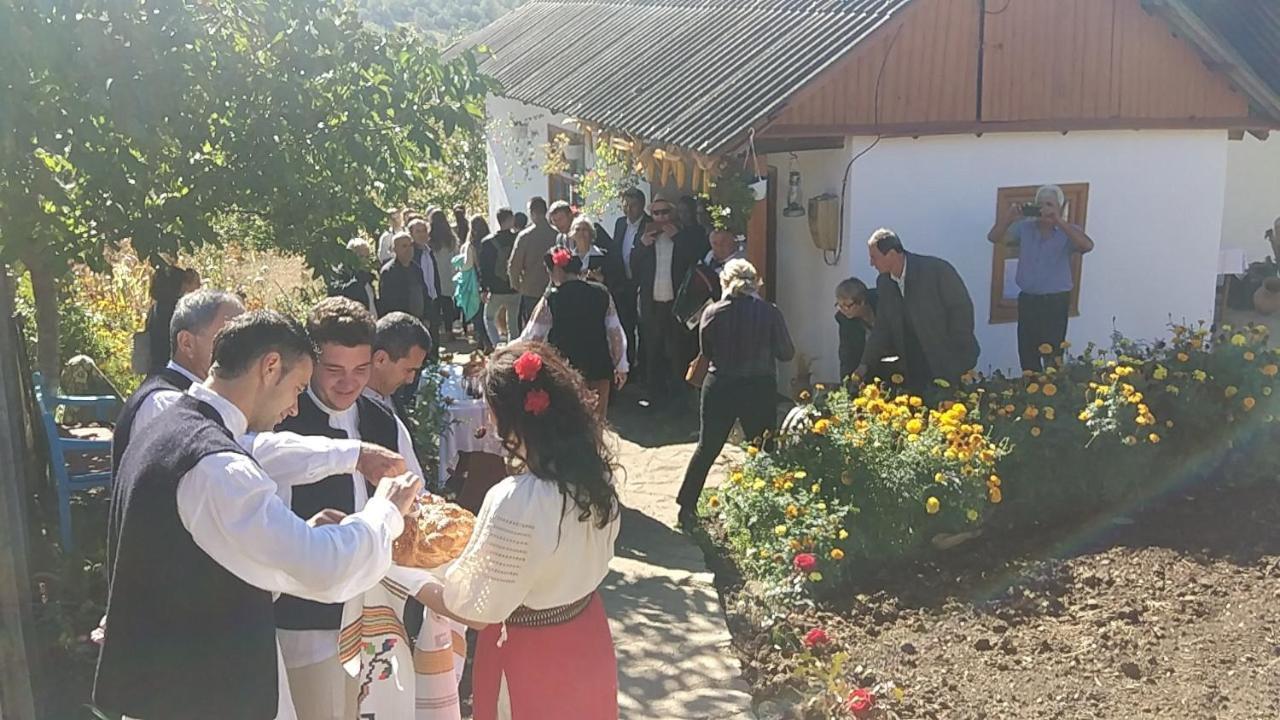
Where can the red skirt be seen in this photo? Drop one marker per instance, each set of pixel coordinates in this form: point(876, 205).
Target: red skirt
point(553, 673)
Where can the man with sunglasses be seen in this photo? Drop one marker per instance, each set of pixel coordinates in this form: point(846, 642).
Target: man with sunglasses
point(659, 263)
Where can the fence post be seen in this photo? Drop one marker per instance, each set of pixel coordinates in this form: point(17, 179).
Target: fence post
point(17, 654)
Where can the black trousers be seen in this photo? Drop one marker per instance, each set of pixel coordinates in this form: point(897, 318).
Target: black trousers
point(752, 400)
point(1042, 320)
point(431, 318)
point(625, 300)
point(667, 346)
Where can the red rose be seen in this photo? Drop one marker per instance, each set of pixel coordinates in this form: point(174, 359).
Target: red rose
point(860, 701)
point(560, 258)
point(805, 562)
point(536, 402)
point(816, 637)
point(528, 366)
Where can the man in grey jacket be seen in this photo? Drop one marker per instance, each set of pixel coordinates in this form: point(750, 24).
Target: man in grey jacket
point(525, 268)
point(924, 318)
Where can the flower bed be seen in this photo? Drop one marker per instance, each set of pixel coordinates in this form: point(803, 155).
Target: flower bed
point(861, 480)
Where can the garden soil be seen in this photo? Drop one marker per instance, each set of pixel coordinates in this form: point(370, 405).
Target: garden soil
point(1173, 612)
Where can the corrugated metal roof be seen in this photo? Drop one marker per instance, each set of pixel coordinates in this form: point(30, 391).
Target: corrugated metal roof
point(1242, 36)
point(1252, 27)
point(692, 73)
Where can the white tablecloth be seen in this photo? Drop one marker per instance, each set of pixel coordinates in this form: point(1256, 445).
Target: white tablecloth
point(466, 415)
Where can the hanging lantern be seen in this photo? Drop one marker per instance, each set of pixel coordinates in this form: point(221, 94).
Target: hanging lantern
point(795, 199)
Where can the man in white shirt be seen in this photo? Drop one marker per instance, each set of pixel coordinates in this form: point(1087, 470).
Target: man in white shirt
point(386, 248)
point(335, 406)
point(400, 348)
point(199, 541)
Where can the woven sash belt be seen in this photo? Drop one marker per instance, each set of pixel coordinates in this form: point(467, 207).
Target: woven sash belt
point(528, 617)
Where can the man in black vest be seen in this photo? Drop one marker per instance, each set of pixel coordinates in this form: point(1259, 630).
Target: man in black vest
point(400, 347)
point(198, 541)
point(288, 458)
point(334, 406)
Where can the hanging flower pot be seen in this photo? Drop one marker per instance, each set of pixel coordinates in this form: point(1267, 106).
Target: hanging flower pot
point(759, 188)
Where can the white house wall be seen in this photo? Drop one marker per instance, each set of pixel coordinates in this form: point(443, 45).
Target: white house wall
point(1252, 196)
point(1155, 211)
point(513, 180)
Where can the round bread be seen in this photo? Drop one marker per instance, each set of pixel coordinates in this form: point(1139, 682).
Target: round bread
point(434, 534)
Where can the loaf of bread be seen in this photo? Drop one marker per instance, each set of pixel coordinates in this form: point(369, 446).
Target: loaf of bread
point(434, 533)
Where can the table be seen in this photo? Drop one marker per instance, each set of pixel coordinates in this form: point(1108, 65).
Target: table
point(467, 415)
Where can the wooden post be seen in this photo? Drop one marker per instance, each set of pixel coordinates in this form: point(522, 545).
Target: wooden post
point(17, 655)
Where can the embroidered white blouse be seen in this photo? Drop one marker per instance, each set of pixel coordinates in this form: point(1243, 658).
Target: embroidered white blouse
point(528, 548)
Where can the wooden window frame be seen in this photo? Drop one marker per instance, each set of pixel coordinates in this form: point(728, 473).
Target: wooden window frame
point(559, 182)
point(1005, 310)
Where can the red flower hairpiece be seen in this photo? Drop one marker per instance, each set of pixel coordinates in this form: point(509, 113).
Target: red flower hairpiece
point(536, 401)
point(560, 258)
point(528, 366)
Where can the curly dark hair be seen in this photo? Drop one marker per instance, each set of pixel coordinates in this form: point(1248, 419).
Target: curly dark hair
point(565, 444)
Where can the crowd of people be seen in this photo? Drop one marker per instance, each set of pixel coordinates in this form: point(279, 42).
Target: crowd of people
point(264, 467)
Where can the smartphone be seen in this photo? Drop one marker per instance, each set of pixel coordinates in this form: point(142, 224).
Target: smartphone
point(1031, 210)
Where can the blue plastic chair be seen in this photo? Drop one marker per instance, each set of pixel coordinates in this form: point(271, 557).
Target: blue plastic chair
point(60, 448)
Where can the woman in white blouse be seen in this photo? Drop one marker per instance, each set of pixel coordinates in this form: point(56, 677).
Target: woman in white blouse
point(541, 546)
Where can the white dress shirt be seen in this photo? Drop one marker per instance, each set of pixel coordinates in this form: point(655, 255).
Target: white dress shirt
point(288, 458)
point(427, 260)
point(527, 549)
point(230, 507)
point(902, 279)
point(628, 243)
point(664, 249)
point(386, 248)
point(308, 647)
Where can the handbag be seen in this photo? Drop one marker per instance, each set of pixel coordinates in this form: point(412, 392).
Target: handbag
point(697, 371)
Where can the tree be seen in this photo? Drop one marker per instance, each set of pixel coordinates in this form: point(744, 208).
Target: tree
point(147, 122)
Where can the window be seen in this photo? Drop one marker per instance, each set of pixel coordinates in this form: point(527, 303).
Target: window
point(564, 184)
point(1004, 257)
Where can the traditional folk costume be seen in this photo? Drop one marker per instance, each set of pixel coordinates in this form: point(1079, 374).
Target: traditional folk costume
point(578, 318)
point(356, 655)
point(198, 541)
point(531, 569)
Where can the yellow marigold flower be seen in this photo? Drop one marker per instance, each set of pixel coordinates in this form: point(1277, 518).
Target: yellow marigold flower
point(897, 379)
point(780, 530)
point(1199, 376)
point(821, 427)
point(1183, 357)
point(736, 477)
point(837, 554)
point(1049, 413)
point(764, 553)
point(939, 478)
point(843, 534)
point(800, 474)
point(1238, 340)
point(752, 450)
point(1141, 419)
point(1160, 373)
point(757, 485)
point(788, 485)
point(1098, 402)
point(950, 454)
point(815, 577)
point(713, 501)
point(994, 481)
point(1083, 416)
point(915, 401)
point(1231, 391)
point(1248, 403)
point(915, 426)
point(988, 456)
point(1136, 398)
point(1154, 439)
point(1046, 349)
point(1050, 389)
point(972, 515)
point(1035, 432)
point(794, 545)
point(994, 494)
point(1270, 370)
point(1031, 413)
point(932, 506)
point(1249, 356)
point(1033, 388)
point(793, 512)
point(822, 507)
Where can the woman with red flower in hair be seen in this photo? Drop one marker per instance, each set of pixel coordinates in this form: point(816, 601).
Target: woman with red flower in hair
point(541, 546)
point(578, 318)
